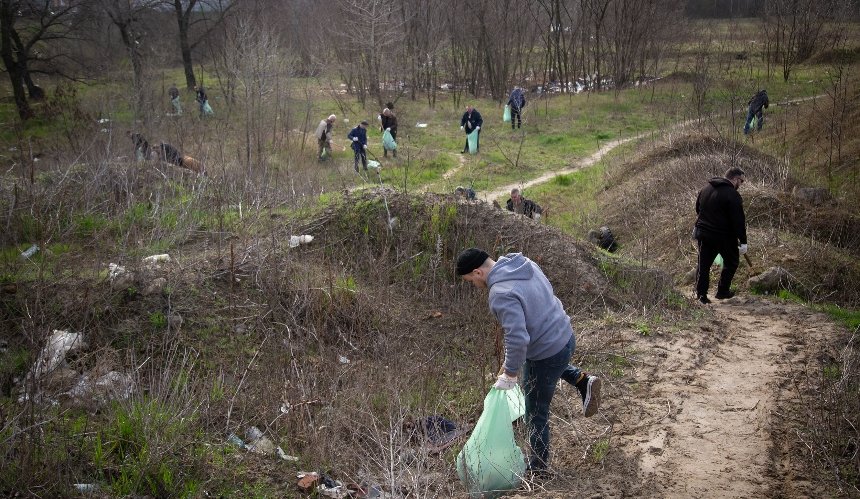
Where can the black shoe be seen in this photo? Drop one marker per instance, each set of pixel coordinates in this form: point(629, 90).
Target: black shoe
point(724, 296)
point(463, 151)
point(589, 389)
point(704, 299)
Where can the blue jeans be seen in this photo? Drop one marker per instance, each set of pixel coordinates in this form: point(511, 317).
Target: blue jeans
point(540, 378)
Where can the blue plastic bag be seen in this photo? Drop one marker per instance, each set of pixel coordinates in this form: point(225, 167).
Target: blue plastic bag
point(490, 462)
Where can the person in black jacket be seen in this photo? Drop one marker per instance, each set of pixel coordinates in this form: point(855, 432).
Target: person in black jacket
point(518, 204)
point(720, 229)
point(470, 121)
point(758, 102)
point(517, 101)
point(388, 121)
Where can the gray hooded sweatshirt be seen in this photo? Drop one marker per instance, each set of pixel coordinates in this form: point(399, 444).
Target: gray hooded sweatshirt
point(521, 298)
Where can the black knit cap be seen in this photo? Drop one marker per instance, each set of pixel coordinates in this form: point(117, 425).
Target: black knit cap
point(470, 259)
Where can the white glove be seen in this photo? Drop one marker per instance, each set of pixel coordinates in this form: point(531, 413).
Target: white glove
point(364, 146)
point(742, 249)
point(355, 139)
point(388, 129)
point(505, 382)
point(461, 127)
point(477, 128)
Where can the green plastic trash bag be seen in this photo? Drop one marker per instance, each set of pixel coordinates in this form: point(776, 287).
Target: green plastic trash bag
point(472, 139)
point(491, 463)
point(388, 142)
point(754, 123)
point(207, 109)
point(507, 116)
point(718, 261)
point(324, 154)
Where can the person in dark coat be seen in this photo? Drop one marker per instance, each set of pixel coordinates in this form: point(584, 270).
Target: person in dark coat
point(171, 155)
point(389, 122)
point(758, 102)
point(173, 93)
point(518, 204)
point(141, 146)
point(358, 136)
point(720, 230)
point(470, 121)
point(517, 101)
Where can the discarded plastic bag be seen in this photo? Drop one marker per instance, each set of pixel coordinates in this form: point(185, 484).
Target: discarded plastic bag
point(718, 261)
point(388, 142)
point(506, 117)
point(491, 463)
point(472, 138)
point(754, 123)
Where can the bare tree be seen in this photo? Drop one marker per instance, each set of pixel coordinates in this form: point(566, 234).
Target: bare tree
point(45, 23)
point(186, 19)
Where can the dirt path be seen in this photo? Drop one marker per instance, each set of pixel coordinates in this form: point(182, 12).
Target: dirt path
point(707, 422)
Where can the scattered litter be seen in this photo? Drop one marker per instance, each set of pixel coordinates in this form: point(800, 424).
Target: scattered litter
point(32, 250)
point(283, 455)
point(374, 164)
point(421, 125)
point(87, 488)
point(13, 149)
point(113, 385)
point(303, 239)
point(308, 480)
point(257, 442)
point(343, 360)
point(104, 130)
point(103, 120)
point(236, 440)
point(115, 271)
point(54, 354)
point(441, 433)
point(330, 487)
point(162, 258)
point(364, 491)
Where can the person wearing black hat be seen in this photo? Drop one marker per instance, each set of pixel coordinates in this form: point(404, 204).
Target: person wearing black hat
point(358, 136)
point(539, 339)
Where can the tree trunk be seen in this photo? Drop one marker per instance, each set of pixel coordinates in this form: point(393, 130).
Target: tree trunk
point(13, 68)
point(183, 18)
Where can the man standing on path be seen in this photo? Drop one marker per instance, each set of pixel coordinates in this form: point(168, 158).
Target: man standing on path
point(323, 135)
point(358, 136)
point(471, 121)
point(758, 102)
point(517, 101)
point(539, 339)
point(720, 229)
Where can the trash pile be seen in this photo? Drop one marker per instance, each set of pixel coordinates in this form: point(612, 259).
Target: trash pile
point(325, 486)
point(258, 443)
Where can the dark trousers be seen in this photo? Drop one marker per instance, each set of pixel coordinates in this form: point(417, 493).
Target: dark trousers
point(516, 116)
point(540, 378)
point(362, 155)
point(709, 248)
point(759, 119)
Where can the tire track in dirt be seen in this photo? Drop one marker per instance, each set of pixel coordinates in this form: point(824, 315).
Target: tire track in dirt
point(713, 404)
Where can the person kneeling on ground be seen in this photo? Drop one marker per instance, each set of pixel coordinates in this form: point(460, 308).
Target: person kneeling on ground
point(518, 204)
point(539, 340)
point(466, 193)
point(169, 154)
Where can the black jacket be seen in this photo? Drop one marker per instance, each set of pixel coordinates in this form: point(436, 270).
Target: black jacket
point(720, 211)
point(473, 119)
point(389, 121)
point(529, 207)
point(758, 101)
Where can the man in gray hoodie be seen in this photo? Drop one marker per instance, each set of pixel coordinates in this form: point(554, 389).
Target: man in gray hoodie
point(539, 339)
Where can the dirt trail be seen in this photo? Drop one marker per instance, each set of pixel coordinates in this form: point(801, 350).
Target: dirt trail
point(710, 417)
point(594, 158)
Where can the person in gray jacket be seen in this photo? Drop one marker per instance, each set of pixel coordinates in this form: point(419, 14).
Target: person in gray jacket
point(539, 339)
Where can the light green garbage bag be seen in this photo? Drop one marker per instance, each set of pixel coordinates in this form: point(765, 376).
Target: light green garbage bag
point(507, 116)
point(718, 261)
point(491, 463)
point(754, 123)
point(472, 139)
point(388, 141)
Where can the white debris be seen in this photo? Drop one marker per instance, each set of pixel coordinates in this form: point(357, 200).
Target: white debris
point(303, 239)
point(54, 354)
point(162, 258)
point(111, 386)
point(421, 125)
point(115, 271)
point(32, 250)
point(343, 360)
point(283, 455)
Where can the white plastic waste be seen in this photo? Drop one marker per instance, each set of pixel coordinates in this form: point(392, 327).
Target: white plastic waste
point(421, 125)
point(303, 239)
point(162, 258)
point(115, 271)
point(374, 164)
point(54, 354)
point(32, 250)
